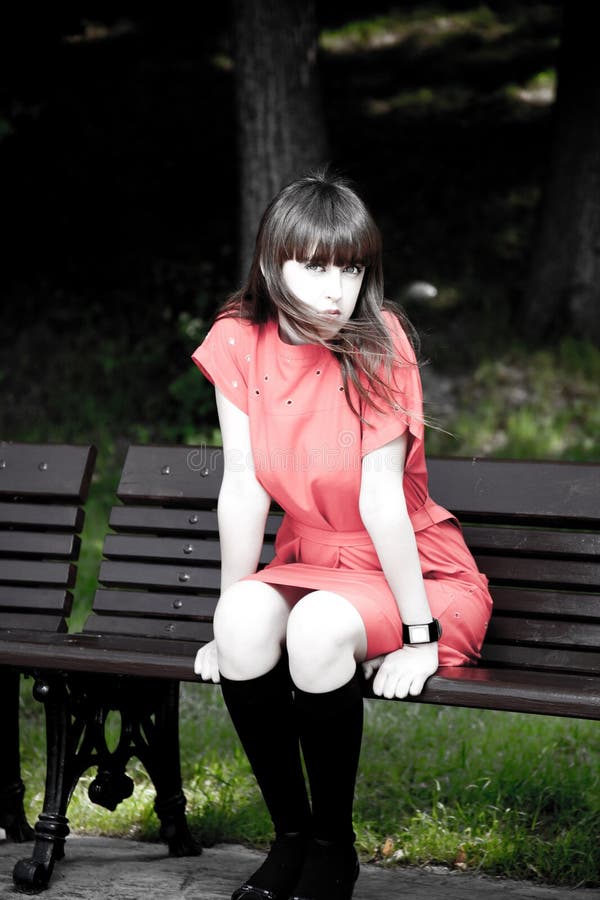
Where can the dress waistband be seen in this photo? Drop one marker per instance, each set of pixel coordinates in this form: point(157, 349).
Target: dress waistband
point(430, 513)
point(331, 538)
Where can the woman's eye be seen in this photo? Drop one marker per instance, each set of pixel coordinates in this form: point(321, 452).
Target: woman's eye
point(314, 267)
point(353, 270)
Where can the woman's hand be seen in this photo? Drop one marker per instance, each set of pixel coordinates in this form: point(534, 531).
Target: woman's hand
point(206, 664)
point(404, 671)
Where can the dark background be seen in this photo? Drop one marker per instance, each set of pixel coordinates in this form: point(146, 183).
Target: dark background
point(118, 179)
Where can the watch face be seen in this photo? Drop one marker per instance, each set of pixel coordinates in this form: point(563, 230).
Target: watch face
point(419, 634)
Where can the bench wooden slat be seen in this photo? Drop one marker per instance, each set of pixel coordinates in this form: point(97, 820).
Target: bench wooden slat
point(115, 643)
point(197, 606)
point(41, 515)
point(562, 491)
point(141, 657)
point(515, 690)
point(166, 549)
point(550, 632)
point(527, 570)
point(114, 654)
point(142, 519)
point(161, 520)
point(188, 474)
point(17, 571)
point(546, 603)
point(168, 629)
point(29, 622)
point(46, 470)
point(43, 544)
point(35, 599)
point(544, 542)
point(189, 550)
point(528, 657)
point(184, 578)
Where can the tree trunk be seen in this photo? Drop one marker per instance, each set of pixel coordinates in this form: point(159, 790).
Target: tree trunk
point(279, 122)
point(564, 288)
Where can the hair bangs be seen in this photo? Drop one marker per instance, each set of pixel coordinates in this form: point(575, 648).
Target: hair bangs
point(335, 232)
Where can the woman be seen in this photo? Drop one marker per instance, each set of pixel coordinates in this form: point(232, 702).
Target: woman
point(320, 408)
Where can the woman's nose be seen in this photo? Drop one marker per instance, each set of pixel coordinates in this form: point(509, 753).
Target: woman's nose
point(333, 288)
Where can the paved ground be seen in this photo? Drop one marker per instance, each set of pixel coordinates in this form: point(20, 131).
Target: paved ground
point(118, 869)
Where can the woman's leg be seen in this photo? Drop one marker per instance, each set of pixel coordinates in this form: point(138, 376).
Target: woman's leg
point(250, 625)
point(250, 629)
point(326, 639)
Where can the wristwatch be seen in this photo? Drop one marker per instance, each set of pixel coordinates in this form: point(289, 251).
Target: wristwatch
point(421, 634)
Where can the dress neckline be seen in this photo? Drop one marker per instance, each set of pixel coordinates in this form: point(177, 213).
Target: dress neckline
point(294, 352)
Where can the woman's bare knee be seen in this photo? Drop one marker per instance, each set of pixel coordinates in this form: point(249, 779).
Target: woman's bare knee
point(249, 625)
point(325, 639)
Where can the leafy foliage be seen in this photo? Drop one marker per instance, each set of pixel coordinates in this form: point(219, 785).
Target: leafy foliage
point(540, 404)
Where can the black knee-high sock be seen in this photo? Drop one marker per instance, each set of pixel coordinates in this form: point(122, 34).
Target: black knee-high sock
point(262, 711)
point(330, 734)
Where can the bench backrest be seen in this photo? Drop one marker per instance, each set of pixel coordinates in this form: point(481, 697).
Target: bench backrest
point(41, 489)
point(533, 528)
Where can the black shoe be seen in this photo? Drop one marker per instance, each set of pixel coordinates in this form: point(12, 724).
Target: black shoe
point(247, 892)
point(330, 872)
point(275, 879)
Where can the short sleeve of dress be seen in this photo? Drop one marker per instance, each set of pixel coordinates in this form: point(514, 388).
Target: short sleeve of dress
point(222, 358)
point(390, 421)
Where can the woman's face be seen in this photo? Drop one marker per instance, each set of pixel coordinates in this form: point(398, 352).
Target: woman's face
point(330, 291)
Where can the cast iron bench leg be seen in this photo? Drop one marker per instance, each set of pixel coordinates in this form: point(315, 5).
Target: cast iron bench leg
point(33, 875)
point(77, 711)
point(12, 789)
point(149, 730)
point(163, 766)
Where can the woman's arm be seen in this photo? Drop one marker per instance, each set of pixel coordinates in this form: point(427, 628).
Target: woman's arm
point(242, 510)
point(385, 516)
point(243, 502)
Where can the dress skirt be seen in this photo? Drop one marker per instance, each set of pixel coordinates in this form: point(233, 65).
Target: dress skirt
point(347, 564)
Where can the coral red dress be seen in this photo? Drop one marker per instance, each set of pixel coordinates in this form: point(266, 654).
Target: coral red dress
point(308, 447)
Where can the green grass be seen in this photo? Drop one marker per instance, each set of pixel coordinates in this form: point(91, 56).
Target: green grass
point(101, 498)
point(501, 793)
point(527, 404)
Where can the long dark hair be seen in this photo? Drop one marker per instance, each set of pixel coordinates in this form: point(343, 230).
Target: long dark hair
point(320, 218)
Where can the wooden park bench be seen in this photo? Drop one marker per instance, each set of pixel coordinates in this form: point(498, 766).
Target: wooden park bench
point(41, 489)
point(533, 527)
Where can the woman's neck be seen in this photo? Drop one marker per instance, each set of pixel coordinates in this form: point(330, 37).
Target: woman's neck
point(287, 334)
